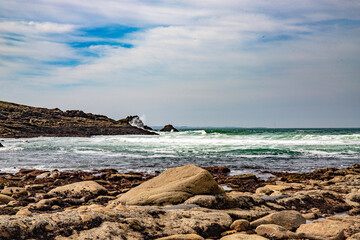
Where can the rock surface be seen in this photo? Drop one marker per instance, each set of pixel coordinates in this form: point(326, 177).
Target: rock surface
point(24, 121)
point(173, 186)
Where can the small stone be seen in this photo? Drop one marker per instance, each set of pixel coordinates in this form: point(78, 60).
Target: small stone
point(24, 211)
point(242, 236)
point(14, 190)
point(275, 231)
point(182, 237)
point(5, 199)
point(310, 216)
point(291, 220)
point(240, 225)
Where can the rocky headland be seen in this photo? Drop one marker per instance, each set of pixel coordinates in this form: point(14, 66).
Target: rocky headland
point(24, 121)
point(180, 203)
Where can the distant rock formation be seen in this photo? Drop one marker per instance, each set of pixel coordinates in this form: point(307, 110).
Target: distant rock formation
point(24, 121)
point(169, 128)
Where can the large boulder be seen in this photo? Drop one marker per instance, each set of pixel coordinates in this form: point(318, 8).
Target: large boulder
point(290, 220)
point(173, 186)
point(79, 189)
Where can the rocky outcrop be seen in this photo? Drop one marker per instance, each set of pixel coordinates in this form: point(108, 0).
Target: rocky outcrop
point(24, 121)
point(173, 186)
point(169, 128)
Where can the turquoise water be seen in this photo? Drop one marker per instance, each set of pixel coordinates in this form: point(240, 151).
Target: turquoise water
point(242, 150)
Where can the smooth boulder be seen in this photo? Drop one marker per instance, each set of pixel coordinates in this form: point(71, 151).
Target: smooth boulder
point(173, 186)
point(79, 189)
point(290, 220)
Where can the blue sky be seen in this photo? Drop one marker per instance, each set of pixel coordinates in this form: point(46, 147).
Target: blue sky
point(196, 63)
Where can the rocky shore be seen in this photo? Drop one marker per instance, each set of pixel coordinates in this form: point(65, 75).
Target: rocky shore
point(181, 203)
point(20, 121)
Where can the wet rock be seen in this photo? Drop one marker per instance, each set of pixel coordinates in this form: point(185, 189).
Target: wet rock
point(326, 201)
point(242, 236)
point(79, 190)
point(275, 231)
point(173, 186)
point(218, 170)
point(291, 220)
point(1, 145)
point(169, 128)
point(5, 199)
point(182, 237)
point(322, 230)
point(240, 225)
point(244, 182)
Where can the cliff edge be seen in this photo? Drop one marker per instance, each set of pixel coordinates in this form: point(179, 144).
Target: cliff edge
point(24, 121)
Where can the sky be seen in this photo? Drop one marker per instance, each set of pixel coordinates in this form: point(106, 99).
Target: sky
point(233, 63)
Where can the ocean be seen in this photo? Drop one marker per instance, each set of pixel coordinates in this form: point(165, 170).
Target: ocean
point(242, 150)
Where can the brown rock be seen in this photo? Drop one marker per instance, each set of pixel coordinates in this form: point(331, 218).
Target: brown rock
point(79, 190)
point(182, 237)
point(242, 236)
point(322, 230)
point(240, 225)
point(14, 190)
point(5, 199)
point(275, 231)
point(173, 186)
point(291, 220)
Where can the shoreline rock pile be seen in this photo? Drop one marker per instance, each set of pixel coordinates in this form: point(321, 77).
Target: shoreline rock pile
point(180, 203)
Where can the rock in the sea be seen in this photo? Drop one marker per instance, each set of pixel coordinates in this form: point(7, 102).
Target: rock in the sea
point(1, 145)
point(290, 220)
point(173, 186)
point(242, 236)
point(322, 230)
point(79, 190)
point(169, 128)
point(275, 231)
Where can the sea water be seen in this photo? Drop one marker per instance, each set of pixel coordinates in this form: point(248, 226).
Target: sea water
point(242, 150)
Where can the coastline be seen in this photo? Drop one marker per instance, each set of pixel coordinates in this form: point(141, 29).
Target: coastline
point(320, 194)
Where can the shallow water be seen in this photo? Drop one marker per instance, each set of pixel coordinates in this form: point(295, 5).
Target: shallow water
point(242, 150)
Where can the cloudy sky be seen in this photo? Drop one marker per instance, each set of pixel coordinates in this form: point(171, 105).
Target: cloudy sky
point(239, 63)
